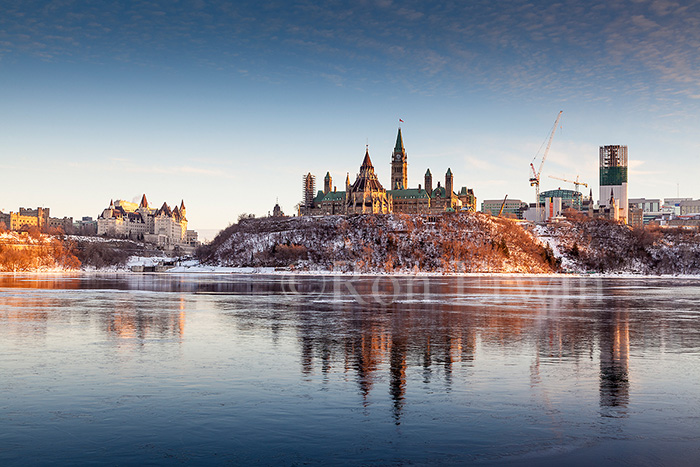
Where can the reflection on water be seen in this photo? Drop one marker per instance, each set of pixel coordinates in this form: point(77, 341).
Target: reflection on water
point(270, 369)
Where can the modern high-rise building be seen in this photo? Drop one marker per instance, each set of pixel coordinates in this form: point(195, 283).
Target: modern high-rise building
point(613, 180)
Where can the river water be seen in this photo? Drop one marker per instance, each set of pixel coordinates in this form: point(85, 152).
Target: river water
point(290, 370)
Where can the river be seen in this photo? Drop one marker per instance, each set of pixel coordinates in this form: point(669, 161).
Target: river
point(289, 370)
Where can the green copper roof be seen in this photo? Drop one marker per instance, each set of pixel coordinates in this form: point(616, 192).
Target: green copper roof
point(334, 196)
point(408, 193)
point(449, 171)
point(328, 176)
point(319, 197)
point(427, 172)
point(439, 192)
point(399, 142)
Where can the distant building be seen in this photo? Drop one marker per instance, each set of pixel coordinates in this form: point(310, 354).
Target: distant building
point(277, 211)
point(646, 205)
point(85, 226)
point(39, 218)
point(650, 208)
point(164, 227)
point(613, 180)
point(367, 195)
point(65, 225)
point(689, 207)
point(513, 208)
point(673, 205)
point(569, 198)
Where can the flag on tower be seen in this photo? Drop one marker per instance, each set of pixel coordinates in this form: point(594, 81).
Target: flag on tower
point(400, 120)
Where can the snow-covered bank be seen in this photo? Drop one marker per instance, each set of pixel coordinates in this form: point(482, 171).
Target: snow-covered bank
point(600, 246)
point(453, 243)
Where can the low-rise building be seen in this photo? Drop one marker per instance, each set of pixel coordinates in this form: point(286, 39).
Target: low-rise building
point(512, 208)
point(691, 206)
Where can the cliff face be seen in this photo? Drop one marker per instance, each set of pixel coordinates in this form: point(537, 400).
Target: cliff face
point(382, 243)
point(597, 245)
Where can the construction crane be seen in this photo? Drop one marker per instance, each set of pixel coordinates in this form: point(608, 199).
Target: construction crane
point(503, 204)
point(535, 178)
point(575, 182)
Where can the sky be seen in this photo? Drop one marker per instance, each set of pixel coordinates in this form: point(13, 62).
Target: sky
point(226, 105)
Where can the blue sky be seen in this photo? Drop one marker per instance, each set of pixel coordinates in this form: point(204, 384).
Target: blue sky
point(227, 105)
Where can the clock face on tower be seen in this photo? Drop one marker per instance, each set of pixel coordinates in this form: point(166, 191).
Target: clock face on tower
point(397, 157)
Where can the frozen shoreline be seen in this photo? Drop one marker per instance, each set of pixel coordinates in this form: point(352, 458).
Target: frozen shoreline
point(269, 271)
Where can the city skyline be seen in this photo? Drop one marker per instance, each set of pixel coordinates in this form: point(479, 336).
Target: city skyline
point(227, 106)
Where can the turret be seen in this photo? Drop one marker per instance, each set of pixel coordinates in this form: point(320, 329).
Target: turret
point(327, 183)
point(183, 211)
point(144, 202)
point(428, 182)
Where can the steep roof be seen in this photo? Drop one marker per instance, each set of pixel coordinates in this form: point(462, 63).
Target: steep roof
point(439, 192)
point(319, 197)
point(366, 180)
point(144, 201)
point(427, 172)
point(164, 210)
point(449, 171)
point(399, 142)
point(366, 162)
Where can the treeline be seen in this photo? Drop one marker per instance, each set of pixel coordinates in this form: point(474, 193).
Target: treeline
point(35, 251)
point(459, 242)
point(599, 245)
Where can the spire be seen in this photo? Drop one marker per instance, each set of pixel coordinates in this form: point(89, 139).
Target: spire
point(367, 162)
point(328, 176)
point(144, 201)
point(427, 173)
point(182, 205)
point(449, 171)
point(399, 142)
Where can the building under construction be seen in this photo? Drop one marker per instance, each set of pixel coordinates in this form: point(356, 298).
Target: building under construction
point(613, 181)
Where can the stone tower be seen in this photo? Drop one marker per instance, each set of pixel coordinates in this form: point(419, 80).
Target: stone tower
point(428, 182)
point(448, 183)
point(399, 163)
point(327, 183)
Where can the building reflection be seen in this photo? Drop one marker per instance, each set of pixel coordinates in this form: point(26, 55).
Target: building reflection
point(614, 363)
point(450, 331)
point(132, 319)
point(380, 339)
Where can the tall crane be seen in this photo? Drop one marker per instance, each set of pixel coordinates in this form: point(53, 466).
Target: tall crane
point(575, 182)
point(503, 204)
point(535, 178)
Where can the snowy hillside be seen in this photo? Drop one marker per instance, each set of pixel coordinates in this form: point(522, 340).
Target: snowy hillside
point(598, 245)
point(381, 243)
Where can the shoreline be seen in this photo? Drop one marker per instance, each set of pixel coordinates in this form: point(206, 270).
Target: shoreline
point(259, 272)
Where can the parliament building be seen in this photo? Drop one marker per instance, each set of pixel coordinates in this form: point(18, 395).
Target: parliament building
point(367, 195)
